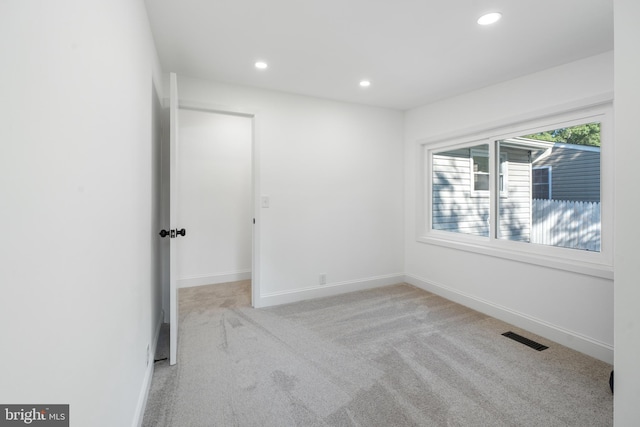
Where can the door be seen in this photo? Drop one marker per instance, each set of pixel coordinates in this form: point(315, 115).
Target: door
point(174, 209)
point(173, 220)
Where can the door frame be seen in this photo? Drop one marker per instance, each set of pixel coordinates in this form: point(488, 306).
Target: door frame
point(169, 297)
point(255, 180)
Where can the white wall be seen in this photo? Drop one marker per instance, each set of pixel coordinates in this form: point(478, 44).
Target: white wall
point(574, 309)
point(627, 282)
point(78, 199)
point(215, 205)
point(334, 175)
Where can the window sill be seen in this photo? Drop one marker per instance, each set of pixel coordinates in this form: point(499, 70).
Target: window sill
point(479, 245)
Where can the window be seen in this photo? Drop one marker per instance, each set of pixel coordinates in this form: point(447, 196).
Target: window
point(530, 191)
point(571, 219)
point(458, 175)
point(480, 173)
point(480, 167)
point(541, 182)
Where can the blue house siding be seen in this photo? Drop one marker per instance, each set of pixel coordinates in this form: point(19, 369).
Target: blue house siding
point(575, 172)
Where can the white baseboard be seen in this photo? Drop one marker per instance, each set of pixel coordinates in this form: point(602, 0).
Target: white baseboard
point(148, 376)
point(571, 339)
point(327, 290)
point(214, 278)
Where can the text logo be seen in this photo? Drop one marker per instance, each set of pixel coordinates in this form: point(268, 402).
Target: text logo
point(34, 415)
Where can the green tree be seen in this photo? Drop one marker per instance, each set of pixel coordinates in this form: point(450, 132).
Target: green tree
point(588, 134)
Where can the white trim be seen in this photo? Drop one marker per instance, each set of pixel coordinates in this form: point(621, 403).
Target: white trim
point(577, 147)
point(599, 264)
point(255, 177)
point(207, 107)
point(331, 289)
point(504, 160)
point(257, 225)
point(574, 340)
point(148, 376)
point(477, 152)
point(214, 278)
point(509, 250)
point(543, 115)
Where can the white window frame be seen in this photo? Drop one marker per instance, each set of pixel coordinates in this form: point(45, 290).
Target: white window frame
point(504, 160)
point(549, 177)
point(599, 264)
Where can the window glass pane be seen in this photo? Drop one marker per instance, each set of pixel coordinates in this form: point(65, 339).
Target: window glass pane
point(481, 182)
point(541, 183)
point(481, 163)
point(554, 188)
point(456, 174)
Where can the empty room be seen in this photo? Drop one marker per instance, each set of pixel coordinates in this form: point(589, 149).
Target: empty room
point(319, 213)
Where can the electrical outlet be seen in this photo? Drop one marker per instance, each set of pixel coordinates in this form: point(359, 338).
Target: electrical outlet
point(148, 355)
point(323, 279)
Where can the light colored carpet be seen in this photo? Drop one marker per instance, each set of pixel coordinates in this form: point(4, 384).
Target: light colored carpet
point(393, 356)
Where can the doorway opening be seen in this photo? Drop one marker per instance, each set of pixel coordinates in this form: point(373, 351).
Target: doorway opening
point(209, 192)
point(215, 198)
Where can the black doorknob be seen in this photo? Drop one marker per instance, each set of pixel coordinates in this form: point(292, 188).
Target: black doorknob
point(173, 233)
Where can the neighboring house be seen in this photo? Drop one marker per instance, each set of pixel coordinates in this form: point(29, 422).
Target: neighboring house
point(460, 190)
point(531, 172)
point(566, 192)
point(570, 172)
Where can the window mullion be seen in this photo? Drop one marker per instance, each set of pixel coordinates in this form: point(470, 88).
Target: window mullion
point(494, 191)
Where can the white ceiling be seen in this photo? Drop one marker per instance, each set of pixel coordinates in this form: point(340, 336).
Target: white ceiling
point(414, 52)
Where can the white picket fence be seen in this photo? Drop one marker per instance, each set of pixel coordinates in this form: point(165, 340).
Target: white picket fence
point(566, 223)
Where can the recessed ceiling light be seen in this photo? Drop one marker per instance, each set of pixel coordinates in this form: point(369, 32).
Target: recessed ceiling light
point(365, 83)
point(489, 18)
point(261, 65)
